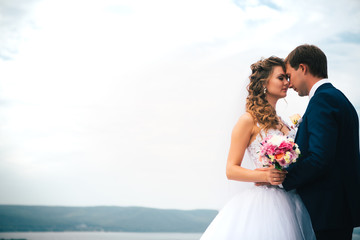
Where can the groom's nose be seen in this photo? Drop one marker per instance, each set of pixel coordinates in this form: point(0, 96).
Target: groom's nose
point(290, 84)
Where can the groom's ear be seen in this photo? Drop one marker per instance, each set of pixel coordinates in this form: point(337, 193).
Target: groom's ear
point(304, 68)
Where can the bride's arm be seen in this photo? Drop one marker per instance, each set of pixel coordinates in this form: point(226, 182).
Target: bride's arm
point(240, 139)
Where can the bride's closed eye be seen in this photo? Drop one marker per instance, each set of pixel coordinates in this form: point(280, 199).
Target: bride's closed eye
point(281, 77)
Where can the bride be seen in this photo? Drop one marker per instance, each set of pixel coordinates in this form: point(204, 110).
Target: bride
point(265, 211)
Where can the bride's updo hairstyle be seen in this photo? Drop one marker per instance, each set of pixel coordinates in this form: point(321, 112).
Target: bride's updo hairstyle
point(256, 103)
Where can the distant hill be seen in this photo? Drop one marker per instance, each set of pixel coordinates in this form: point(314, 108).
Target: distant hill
point(128, 219)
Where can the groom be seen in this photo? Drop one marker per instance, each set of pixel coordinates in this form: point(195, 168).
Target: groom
point(327, 175)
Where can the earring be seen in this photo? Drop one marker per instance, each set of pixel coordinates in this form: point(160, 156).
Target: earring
point(264, 90)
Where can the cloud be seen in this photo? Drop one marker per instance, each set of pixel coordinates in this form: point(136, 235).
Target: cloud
point(15, 20)
point(251, 3)
point(349, 37)
point(141, 96)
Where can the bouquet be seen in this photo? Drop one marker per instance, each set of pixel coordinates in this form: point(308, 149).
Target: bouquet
point(279, 151)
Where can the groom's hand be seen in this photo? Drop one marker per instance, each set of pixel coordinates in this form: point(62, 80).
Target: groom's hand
point(273, 176)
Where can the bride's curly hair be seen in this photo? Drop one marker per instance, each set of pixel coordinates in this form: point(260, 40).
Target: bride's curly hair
point(256, 103)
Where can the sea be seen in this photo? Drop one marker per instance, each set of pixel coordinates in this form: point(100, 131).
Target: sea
point(97, 236)
point(107, 236)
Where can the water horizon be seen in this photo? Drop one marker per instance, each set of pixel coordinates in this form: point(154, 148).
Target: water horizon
point(103, 235)
point(99, 235)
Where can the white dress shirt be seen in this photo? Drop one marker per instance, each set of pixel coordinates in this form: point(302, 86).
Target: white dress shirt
point(315, 86)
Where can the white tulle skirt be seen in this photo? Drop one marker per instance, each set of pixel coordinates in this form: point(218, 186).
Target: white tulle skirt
point(262, 213)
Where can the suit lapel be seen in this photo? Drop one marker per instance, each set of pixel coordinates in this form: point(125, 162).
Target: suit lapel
point(297, 133)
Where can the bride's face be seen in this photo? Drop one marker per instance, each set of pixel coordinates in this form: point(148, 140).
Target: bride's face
point(278, 84)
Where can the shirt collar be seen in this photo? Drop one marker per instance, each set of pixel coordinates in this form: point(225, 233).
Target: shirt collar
point(316, 86)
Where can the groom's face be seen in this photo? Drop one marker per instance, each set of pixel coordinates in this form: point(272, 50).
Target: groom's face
point(297, 80)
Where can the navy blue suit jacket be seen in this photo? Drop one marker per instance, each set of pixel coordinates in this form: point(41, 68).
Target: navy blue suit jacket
point(327, 174)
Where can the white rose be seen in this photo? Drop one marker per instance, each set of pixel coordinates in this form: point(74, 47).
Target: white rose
point(277, 140)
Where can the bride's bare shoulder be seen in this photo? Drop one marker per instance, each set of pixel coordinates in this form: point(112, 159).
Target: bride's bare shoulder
point(245, 122)
point(247, 118)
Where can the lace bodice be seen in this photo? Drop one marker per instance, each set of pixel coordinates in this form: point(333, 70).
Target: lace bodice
point(254, 148)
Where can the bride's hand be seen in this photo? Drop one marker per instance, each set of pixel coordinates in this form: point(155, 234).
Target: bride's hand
point(273, 176)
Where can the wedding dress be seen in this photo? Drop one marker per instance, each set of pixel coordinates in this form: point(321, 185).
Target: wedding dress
point(262, 212)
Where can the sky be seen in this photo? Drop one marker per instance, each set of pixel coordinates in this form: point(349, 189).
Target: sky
point(132, 102)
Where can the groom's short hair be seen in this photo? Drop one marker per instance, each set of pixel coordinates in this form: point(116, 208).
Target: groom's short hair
point(310, 55)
